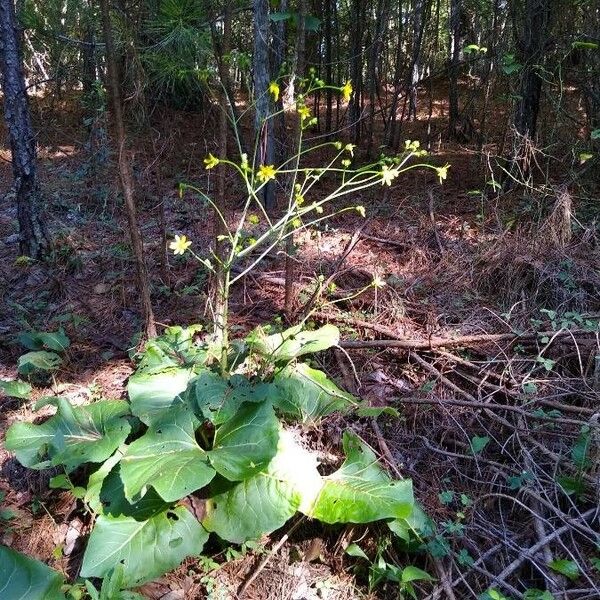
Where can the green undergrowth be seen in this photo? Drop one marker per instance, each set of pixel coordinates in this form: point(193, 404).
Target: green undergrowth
point(229, 439)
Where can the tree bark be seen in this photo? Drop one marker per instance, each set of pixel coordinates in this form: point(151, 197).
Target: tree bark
point(126, 175)
point(33, 238)
point(453, 68)
point(263, 122)
point(532, 43)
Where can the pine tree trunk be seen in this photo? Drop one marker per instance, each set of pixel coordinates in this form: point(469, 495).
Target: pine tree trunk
point(453, 67)
point(263, 124)
point(126, 175)
point(532, 43)
point(33, 238)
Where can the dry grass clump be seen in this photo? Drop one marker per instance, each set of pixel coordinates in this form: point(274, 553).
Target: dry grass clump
point(543, 265)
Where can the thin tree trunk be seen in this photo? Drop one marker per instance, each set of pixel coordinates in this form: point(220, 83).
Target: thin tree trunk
point(453, 67)
point(33, 238)
point(381, 21)
point(532, 43)
point(390, 132)
point(220, 294)
point(290, 274)
point(263, 122)
point(126, 176)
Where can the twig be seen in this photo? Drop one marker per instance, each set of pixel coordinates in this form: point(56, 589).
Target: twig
point(530, 552)
point(493, 407)
point(269, 556)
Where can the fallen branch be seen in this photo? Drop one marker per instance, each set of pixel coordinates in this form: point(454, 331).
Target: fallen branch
point(464, 340)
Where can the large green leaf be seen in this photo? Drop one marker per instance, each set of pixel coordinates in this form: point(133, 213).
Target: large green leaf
point(24, 578)
point(217, 399)
point(361, 491)
point(293, 342)
point(72, 437)
point(34, 362)
point(246, 443)
point(115, 504)
point(146, 549)
point(153, 394)
point(241, 511)
point(38, 340)
point(174, 348)
point(308, 394)
point(16, 388)
point(168, 458)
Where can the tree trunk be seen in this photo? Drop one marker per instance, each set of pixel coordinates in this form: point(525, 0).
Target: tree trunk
point(263, 122)
point(33, 238)
point(454, 50)
point(126, 175)
point(532, 43)
point(221, 283)
point(380, 25)
point(358, 13)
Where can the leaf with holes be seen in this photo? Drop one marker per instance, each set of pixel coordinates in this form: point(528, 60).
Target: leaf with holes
point(168, 458)
point(146, 549)
point(246, 443)
point(72, 437)
point(361, 491)
point(217, 399)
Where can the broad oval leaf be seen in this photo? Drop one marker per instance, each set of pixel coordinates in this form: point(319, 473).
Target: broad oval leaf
point(168, 458)
point(72, 437)
point(16, 388)
point(217, 399)
point(43, 361)
point(34, 340)
point(146, 549)
point(308, 394)
point(246, 443)
point(263, 503)
point(24, 578)
point(361, 491)
point(105, 494)
point(153, 394)
point(293, 342)
point(174, 348)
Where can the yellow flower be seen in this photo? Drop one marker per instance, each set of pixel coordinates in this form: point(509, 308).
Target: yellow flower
point(442, 172)
point(346, 163)
point(274, 90)
point(304, 112)
point(360, 210)
point(347, 91)
point(266, 173)
point(180, 245)
point(350, 148)
point(211, 161)
point(388, 175)
point(377, 282)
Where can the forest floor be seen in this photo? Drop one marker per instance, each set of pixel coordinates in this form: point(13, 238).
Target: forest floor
point(498, 430)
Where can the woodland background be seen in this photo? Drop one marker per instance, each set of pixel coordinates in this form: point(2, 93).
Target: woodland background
point(485, 336)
